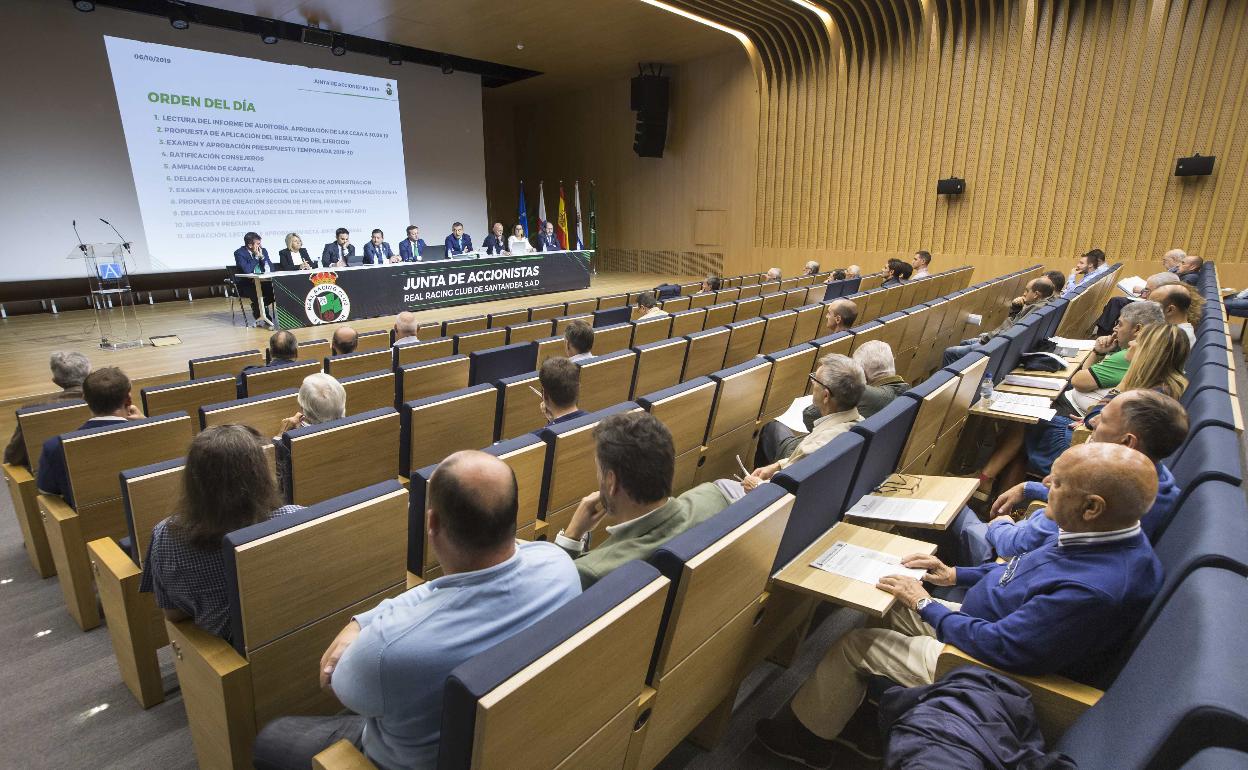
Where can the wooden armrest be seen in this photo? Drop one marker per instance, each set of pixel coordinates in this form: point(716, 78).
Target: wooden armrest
point(1034, 506)
point(1080, 435)
point(107, 555)
point(189, 639)
point(20, 474)
point(414, 580)
point(1059, 701)
point(343, 755)
point(56, 507)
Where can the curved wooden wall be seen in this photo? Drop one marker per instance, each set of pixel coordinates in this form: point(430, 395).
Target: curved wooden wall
point(1064, 116)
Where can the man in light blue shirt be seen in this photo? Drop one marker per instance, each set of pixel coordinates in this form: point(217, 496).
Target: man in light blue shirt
point(390, 664)
point(1090, 267)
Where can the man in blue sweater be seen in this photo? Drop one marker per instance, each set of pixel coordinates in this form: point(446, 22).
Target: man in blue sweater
point(1145, 420)
point(1064, 608)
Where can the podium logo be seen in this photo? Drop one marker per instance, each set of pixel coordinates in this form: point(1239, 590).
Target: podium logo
point(326, 303)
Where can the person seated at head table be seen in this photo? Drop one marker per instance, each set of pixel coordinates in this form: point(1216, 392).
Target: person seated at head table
point(711, 284)
point(340, 251)
point(840, 316)
point(561, 389)
point(389, 665)
point(107, 393)
point(496, 242)
point(1155, 356)
point(405, 328)
point(321, 399)
point(1039, 292)
point(897, 272)
point(458, 242)
point(69, 369)
point(253, 259)
point(1189, 269)
point(547, 240)
point(377, 251)
point(838, 386)
point(920, 262)
point(772, 274)
point(1066, 608)
point(227, 484)
point(294, 253)
point(344, 341)
point(1176, 302)
point(1088, 267)
point(635, 461)
point(1144, 420)
point(412, 248)
point(648, 307)
point(578, 341)
point(810, 268)
point(518, 243)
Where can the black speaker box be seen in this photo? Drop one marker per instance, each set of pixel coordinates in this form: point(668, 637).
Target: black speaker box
point(650, 99)
point(1197, 165)
point(950, 186)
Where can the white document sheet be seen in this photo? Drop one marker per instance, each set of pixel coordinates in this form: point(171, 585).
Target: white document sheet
point(898, 509)
point(1023, 410)
point(1130, 286)
point(862, 564)
point(792, 419)
point(1066, 342)
point(1043, 383)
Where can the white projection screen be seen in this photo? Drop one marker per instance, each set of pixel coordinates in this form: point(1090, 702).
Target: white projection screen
point(327, 147)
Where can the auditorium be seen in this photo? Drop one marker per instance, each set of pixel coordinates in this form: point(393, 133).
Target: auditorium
point(624, 384)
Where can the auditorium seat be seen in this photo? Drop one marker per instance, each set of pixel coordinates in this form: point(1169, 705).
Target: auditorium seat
point(790, 376)
point(335, 457)
point(187, 396)
point(704, 300)
point(613, 337)
point(424, 350)
point(226, 363)
point(564, 321)
point(1209, 454)
point(368, 391)
point(794, 298)
point(733, 425)
point(571, 463)
point(808, 324)
point(748, 306)
point(720, 315)
point(546, 312)
point(688, 322)
point(311, 350)
point(606, 379)
point(93, 458)
point(659, 364)
point(359, 362)
point(719, 571)
point(839, 343)
point(429, 378)
point(821, 483)
point(727, 294)
point(685, 410)
point(431, 428)
point(264, 413)
point(885, 433)
point(466, 325)
point(285, 609)
point(777, 331)
point(529, 330)
point(467, 342)
point(749, 292)
point(270, 379)
point(549, 347)
point(508, 317)
point(580, 307)
point(519, 408)
point(493, 364)
point(375, 340)
point(612, 301)
point(676, 304)
point(649, 330)
point(744, 340)
point(935, 395)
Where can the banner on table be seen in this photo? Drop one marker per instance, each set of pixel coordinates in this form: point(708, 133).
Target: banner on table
point(312, 298)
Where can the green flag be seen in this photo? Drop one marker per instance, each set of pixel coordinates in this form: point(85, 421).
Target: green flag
point(593, 218)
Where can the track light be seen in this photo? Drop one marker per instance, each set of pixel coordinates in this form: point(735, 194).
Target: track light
point(268, 32)
point(179, 16)
point(86, 6)
point(337, 48)
point(394, 56)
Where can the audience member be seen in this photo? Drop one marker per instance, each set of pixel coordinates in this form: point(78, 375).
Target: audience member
point(389, 664)
point(321, 399)
point(1113, 307)
point(920, 262)
point(853, 271)
point(1088, 268)
point(1039, 292)
point(1065, 608)
point(1176, 305)
point(840, 316)
point(405, 328)
point(107, 393)
point(578, 341)
point(648, 307)
point(838, 386)
point(1144, 420)
point(561, 388)
point(283, 351)
point(811, 268)
point(636, 461)
point(227, 484)
point(1171, 260)
point(773, 274)
point(69, 369)
point(711, 284)
point(1189, 269)
point(897, 272)
point(344, 341)
point(1057, 278)
point(838, 275)
point(880, 369)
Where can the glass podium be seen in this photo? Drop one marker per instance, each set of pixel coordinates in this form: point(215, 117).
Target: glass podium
point(108, 279)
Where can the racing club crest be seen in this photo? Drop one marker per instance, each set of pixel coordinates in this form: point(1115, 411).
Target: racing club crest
point(326, 303)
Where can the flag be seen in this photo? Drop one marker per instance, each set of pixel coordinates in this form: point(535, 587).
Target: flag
point(561, 224)
point(541, 209)
point(593, 218)
point(576, 201)
point(523, 215)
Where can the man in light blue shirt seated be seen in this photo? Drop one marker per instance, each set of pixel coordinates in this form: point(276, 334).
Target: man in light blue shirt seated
point(390, 664)
point(1147, 421)
point(1089, 267)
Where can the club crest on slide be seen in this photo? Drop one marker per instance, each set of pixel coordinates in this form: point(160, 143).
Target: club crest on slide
point(326, 303)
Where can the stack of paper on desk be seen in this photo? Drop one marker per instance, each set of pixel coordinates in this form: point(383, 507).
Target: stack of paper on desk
point(897, 509)
point(1066, 342)
point(862, 564)
point(1026, 381)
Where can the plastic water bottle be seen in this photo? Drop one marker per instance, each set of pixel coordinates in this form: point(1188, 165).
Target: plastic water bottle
point(985, 389)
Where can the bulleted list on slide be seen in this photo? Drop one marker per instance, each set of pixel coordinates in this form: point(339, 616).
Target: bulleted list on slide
point(220, 145)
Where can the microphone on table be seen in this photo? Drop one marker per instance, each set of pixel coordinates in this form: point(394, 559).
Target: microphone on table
point(81, 246)
point(124, 242)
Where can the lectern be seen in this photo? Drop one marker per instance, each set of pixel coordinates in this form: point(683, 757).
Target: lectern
point(108, 278)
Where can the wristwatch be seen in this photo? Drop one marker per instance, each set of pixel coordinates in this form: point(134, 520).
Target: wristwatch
point(926, 600)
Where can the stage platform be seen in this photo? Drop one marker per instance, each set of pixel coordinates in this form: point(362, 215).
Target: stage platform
point(205, 329)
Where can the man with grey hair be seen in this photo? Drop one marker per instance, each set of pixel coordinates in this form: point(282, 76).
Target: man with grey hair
point(69, 369)
point(1109, 313)
point(772, 275)
point(880, 369)
point(812, 267)
point(837, 387)
point(853, 271)
point(1171, 260)
point(321, 399)
point(1104, 368)
point(405, 327)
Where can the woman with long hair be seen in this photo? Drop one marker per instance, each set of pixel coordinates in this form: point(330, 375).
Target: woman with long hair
point(227, 484)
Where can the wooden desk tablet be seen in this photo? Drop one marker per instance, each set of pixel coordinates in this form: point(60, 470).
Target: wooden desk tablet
point(979, 409)
point(953, 490)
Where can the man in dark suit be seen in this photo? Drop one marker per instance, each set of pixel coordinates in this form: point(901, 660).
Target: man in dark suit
point(107, 393)
point(283, 351)
point(377, 251)
point(458, 242)
point(1189, 269)
point(496, 242)
point(546, 240)
point(340, 252)
point(253, 259)
point(412, 248)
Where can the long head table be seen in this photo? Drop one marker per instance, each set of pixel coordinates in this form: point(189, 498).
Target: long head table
point(333, 295)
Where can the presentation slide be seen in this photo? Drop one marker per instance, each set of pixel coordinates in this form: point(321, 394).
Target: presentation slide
point(221, 145)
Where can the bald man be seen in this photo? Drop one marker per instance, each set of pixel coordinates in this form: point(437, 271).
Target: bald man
point(1176, 302)
point(1189, 269)
point(811, 268)
point(405, 327)
point(344, 341)
point(1064, 608)
point(840, 316)
point(389, 664)
point(1113, 308)
point(773, 274)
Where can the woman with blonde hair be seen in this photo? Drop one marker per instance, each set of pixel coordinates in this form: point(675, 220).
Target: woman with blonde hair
point(294, 250)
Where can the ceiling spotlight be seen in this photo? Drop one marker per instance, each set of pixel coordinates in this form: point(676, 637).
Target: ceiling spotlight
point(395, 57)
point(179, 16)
point(268, 32)
point(337, 48)
point(519, 46)
point(86, 6)
point(446, 66)
point(268, 38)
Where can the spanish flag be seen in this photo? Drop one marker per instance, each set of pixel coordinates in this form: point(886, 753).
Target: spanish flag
point(561, 228)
